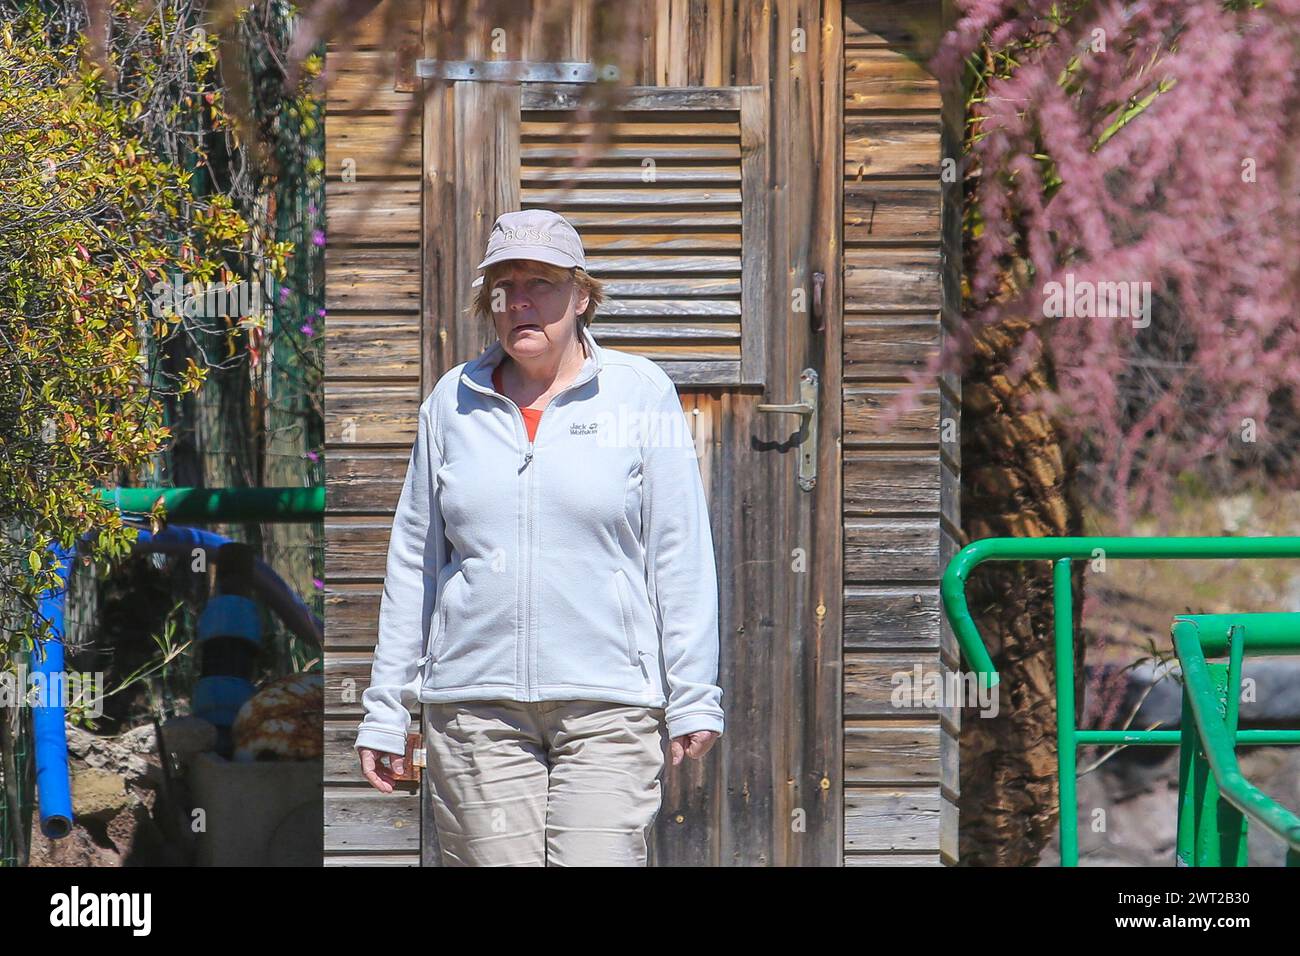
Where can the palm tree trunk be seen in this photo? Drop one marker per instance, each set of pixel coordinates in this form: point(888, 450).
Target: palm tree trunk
point(1017, 480)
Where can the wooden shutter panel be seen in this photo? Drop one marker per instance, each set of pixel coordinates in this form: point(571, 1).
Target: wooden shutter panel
point(672, 213)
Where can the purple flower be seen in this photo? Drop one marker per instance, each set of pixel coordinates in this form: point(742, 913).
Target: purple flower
point(317, 237)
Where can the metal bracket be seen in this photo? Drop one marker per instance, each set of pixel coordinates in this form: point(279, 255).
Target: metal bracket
point(818, 303)
point(515, 71)
point(808, 382)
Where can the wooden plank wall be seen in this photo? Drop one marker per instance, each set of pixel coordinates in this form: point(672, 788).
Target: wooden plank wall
point(900, 477)
point(373, 388)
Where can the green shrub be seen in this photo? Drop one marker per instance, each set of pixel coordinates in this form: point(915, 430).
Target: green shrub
point(90, 220)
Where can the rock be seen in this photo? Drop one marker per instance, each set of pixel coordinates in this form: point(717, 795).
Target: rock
point(1235, 512)
point(113, 781)
point(131, 755)
point(99, 794)
point(189, 735)
point(1272, 683)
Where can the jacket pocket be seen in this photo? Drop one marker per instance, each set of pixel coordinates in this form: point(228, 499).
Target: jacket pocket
point(442, 632)
point(440, 618)
point(624, 608)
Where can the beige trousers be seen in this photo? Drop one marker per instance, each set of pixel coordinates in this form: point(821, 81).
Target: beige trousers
point(552, 783)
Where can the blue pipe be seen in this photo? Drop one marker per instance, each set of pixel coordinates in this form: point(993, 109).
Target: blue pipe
point(196, 537)
point(176, 539)
point(53, 787)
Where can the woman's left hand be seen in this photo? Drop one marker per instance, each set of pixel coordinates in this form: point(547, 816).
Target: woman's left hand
point(694, 745)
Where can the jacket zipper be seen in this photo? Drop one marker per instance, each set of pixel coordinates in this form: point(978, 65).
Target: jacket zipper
point(629, 626)
point(442, 627)
point(528, 500)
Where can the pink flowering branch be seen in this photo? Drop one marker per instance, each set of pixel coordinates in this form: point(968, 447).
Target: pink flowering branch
point(1152, 145)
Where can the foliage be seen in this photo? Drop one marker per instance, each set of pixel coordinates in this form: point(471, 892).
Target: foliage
point(87, 222)
point(169, 648)
point(232, 211)
point(1153, 143)
point(168, 66)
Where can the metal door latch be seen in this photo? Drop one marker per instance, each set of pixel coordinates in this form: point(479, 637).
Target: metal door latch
point(808, 435)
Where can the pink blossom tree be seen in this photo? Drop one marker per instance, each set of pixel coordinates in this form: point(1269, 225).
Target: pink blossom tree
point(1149, 150)
point(1132, 207)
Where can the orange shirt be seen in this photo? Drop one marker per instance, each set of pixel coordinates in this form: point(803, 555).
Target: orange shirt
point(531, 415)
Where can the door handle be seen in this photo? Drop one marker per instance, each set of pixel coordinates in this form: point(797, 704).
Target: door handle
point(806, 408)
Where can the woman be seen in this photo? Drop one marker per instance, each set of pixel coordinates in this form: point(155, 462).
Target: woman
point(550, 591)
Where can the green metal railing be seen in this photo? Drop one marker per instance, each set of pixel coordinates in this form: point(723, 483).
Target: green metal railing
point(1215, 798)
point(222, 504)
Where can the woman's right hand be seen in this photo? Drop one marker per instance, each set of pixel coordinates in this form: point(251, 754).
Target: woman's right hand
point(381, 777)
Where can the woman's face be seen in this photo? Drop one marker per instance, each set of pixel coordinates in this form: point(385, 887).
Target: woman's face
point(534, 314)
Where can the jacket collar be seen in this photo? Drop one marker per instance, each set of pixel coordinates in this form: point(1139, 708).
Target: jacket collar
point(477, 373)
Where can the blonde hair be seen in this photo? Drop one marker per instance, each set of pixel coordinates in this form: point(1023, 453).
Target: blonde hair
point(482, 302)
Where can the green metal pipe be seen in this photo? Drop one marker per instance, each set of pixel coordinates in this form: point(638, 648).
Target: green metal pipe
point(1232, 692)
point(1067, 752)
point(1171, 738)
point(953, 586)
point(222, 504)
point(1224, 833)
point(1193, 772)
point(1264, 633)
point(1210, 781)
point(1203, 701)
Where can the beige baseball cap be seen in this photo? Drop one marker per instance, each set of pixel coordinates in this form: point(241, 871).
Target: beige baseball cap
point(539, 234)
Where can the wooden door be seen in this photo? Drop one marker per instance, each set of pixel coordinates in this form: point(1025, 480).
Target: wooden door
point(709, 264)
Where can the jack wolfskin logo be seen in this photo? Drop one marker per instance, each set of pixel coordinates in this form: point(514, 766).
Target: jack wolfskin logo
point(579, 428)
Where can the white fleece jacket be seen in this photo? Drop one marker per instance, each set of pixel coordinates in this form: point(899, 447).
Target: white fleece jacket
point(579, 565)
